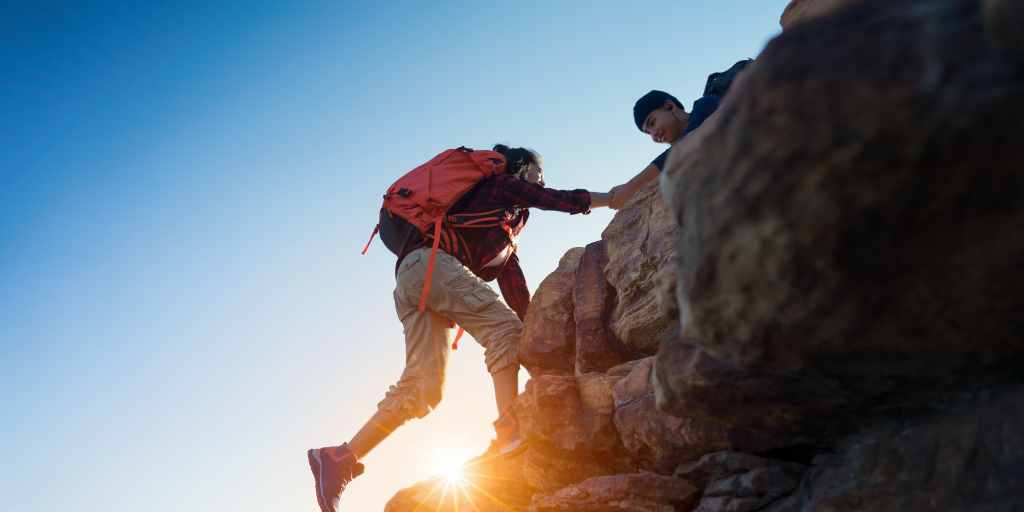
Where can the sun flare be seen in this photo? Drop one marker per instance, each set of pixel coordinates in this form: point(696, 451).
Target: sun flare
point(450, 470)
point(448, 465)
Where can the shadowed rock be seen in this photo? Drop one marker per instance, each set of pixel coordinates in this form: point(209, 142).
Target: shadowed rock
point(597, 349)
point(740, 482)
point(844, 215)
point(1004, 23)
point(970, 457)
point(799, 11)
point(636, 492)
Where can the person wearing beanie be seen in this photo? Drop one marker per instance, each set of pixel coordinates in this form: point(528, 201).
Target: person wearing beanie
point(661, 116)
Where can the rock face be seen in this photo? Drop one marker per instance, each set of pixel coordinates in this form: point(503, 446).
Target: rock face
point(642, 260)
point(597, 347)
point(826, 313)
point(968, 457)
point(656, 440)
point(844, 216)
point(740, 482)
point(639, 492)
point(549, 333)
point(803, 10)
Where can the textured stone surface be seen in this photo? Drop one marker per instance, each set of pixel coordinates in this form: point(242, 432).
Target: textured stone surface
point(803, 10)
point(658, 441)
point(723, 465)
point(844, 214)
point(968, 458)
point(850, 292)
point(492, 484)
point(636, 492)
point(552, 413)
point(641, 258)
point(597, 348)
point(763, 410)
point(549, 332)
point(748, 491)
point(570, 434)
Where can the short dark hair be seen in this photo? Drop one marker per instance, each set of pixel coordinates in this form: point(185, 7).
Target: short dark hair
point(649, 103)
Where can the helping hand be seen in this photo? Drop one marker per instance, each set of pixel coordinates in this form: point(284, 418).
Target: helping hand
point(620, 194)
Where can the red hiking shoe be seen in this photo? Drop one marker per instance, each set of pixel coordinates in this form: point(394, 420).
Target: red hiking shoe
point(333, 468)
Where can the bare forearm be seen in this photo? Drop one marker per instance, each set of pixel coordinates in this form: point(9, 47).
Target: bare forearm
point(650, 173)
point(624, 192)
point(600, 199)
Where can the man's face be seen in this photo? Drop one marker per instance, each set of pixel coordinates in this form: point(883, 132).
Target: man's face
point(664, 124)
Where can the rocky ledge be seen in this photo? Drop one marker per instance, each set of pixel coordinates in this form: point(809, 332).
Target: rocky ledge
point(822, 308)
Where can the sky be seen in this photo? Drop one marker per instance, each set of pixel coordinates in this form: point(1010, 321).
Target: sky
point(185, 192)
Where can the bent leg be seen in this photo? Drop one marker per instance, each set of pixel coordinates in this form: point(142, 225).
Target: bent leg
point(419, 389)
point(468, 300)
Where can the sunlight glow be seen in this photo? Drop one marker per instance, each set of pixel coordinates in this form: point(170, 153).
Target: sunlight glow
point(450, 469)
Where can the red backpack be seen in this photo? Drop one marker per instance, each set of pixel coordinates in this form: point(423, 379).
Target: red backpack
point(422, 198)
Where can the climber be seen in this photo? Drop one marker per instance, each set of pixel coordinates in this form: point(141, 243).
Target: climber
point(444, 283)
point(662, 116)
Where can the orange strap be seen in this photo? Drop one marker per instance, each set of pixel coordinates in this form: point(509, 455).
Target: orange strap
point(430, 266)
point(367, 246)
point(455, 344)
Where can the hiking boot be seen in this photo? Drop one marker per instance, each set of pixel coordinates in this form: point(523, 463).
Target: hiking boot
point(333, 468)
point(509, 442)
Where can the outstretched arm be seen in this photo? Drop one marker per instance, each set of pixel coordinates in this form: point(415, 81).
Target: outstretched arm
point(600, 199)
point(624, 192)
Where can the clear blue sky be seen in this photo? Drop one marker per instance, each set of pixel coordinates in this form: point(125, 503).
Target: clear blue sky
point(185, 190)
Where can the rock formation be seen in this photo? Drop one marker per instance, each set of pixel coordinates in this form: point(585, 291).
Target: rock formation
point(825, 312)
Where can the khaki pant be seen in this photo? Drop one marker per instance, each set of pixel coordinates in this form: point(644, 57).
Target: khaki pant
point(456, 294)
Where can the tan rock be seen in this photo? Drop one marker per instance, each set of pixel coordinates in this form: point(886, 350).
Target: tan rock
point(549, 332)
point(641, 256)
point(597, 348)
point(656, 440)
point(553, 413)
point(596, 392)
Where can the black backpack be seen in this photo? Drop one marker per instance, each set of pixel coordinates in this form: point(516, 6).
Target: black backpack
point(718, 83)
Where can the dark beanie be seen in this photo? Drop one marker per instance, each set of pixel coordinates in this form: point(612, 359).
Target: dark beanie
point(649, 103)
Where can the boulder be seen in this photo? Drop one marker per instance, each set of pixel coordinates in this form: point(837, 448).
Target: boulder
point(636, 492)
point(552, 413)
point(844, 215)
point(570, 433)
point(548, 343)
point(658, 441)
point(642, 260)
point(740, 482)
point(799, 11)
point(722, 465)
point(597, 348)
point(966, 456)
point(763, 410)
point(490, 484)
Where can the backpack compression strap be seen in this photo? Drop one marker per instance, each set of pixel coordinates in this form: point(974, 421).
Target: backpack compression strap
point(430, 266)
point(375, 230)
